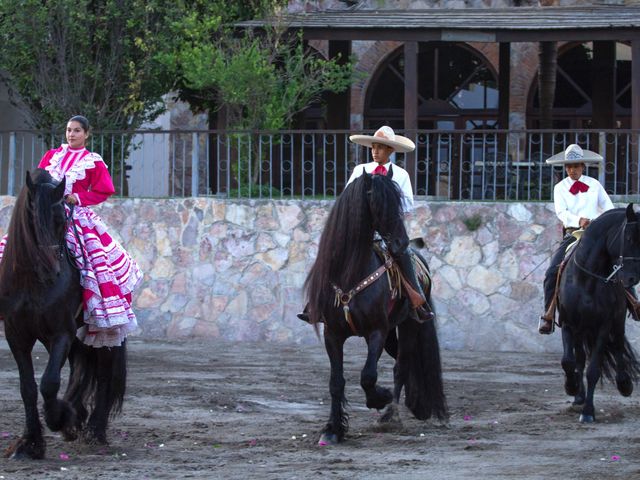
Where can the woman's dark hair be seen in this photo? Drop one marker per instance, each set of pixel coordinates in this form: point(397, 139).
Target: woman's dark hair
point(82, 121)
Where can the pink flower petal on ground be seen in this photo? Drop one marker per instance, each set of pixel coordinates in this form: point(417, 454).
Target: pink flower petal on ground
point(615, 458)
point(322, 443)
point(5, 434)
point(467, 418)
point(64, 456)
point(253, 442)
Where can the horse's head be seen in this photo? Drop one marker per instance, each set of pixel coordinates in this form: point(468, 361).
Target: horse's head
point(36, 233)
point(45, 203)
point(628, 248)
point(385, 205)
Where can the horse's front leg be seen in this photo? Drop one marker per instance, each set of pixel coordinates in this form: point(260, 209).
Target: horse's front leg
point(377, 397)
point(58, 413)
point(338, 424)
point(31, 444)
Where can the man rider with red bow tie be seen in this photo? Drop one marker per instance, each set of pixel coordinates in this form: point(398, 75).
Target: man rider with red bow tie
point(578, 199)
point(383, 143)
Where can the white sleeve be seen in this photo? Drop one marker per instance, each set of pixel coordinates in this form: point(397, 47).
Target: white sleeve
point(604, 202)
point(567, 218)
point(357, 172)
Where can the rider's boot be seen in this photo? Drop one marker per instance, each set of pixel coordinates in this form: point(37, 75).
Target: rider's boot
point(546, 323)
point(421, 308)
point(304, 315)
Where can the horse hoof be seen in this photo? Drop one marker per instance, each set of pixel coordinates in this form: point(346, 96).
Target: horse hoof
point(22, 449)
point(587, 418)
point(390, 416)
point(328, 439)
point(625, 387)
point(578, 401)
point(571, 388)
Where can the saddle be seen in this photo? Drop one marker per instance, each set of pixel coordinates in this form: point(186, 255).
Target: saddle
point(398, 285)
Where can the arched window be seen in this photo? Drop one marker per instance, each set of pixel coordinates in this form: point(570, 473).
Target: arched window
point(457, 88)
point(573, 105)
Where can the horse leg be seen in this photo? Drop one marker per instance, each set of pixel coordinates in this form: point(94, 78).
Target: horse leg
point(624, 381)
point(31, 444)
point(571, 381)
point(110, 374)
point(588, 414)
point(391, 413)
point(58, 413)
point(581, 360)
point(338, 423)
point(377, 397)
point(80, 375)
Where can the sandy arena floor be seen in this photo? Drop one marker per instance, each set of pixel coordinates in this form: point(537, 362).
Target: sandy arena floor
point(255, 410)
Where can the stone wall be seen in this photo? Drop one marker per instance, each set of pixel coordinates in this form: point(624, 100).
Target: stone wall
point(234, 269)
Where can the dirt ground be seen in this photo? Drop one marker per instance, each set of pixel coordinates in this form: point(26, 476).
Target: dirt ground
point(255, 410)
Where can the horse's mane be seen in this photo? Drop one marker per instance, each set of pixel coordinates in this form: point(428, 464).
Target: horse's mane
point(345, 245)
point(27, 262)
point(595, 236)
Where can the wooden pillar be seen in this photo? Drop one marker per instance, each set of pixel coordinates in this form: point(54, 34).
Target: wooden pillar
point(635, 110)
point(603, 81)
point(338, 118)
point(411, 103)
point(504, 84)
point(339, 104)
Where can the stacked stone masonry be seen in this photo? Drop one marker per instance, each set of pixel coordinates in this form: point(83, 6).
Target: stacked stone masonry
point(235, 269)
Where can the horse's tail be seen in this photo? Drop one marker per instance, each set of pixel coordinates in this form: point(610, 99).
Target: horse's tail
point(89, 366)
point(608, 362)
point(420, 358)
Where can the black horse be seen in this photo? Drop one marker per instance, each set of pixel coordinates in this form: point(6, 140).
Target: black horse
point(346, 260)
point(592, 307)
point(41, 300)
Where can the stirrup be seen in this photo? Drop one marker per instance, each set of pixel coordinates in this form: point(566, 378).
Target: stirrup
point(546, 326)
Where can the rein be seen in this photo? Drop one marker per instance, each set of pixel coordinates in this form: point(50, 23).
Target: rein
point(70, 256)
point(345, 298)
point(619, 265)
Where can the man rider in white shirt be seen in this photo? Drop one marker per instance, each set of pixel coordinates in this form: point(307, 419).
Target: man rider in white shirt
point(383, 143)
point(578, 199)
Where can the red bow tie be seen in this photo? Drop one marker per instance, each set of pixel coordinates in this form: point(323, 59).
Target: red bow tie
point(380, 170)
point(578, 186)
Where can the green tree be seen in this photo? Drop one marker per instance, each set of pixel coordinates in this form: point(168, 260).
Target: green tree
point(260, 80)
point(98, 58)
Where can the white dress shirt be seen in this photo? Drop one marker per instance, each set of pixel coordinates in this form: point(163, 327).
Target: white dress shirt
point(590, 204)
point(400, 176)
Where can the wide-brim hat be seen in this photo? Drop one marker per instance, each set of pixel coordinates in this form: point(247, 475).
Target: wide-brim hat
point(575, 154)
point(385, 136)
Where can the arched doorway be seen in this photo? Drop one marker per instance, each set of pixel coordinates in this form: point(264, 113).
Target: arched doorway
point(457, 89)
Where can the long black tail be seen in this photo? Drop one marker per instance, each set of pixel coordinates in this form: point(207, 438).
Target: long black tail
point(88, 364)
point(608, 362)
point(420, 352)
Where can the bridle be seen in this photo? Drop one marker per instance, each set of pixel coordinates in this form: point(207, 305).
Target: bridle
point(619, 265)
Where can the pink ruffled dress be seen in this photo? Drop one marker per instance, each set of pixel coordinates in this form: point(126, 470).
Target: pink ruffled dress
point(110, 274)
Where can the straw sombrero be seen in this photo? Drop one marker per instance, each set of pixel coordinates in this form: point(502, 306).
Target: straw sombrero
point(575, 154)
point(386, 136)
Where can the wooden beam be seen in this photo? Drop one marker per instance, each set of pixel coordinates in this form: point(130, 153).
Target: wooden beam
point(635, 84)
point(339, 104)
point(418, 34)
point(504, 85)
point(635, 112)
point(411, 102)
point(603, 82)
